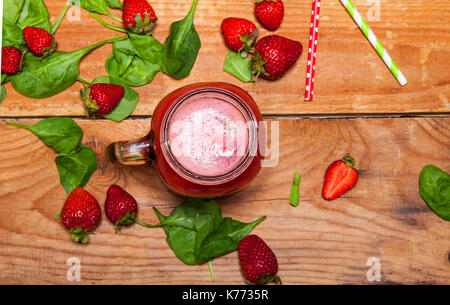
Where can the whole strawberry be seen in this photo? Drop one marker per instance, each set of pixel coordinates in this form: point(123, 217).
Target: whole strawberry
point(138, 16)
point(275, 55)
point(120, 207)
point(81, 213)
point(269, 13)
point(340, 177)
point(258, 262)
point(39, 41)
point(239, 33)
point(11, 60)
point(100, 99)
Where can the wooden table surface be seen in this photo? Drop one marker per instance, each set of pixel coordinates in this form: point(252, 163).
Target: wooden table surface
point(358, 107)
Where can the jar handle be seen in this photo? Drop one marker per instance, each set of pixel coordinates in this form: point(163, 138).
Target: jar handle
point(134, 152)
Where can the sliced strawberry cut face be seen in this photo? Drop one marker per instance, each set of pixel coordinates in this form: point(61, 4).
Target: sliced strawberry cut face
point(340, 177)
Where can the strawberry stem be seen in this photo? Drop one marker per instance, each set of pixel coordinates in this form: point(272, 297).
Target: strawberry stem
point(268, 278)
point(79, 235)
point(147, 225)
point(294, 198)
point(60, 18)
point(211, 272)
point(126, 220)
point(348, 159)
point(82, 80)
point(58, 216)
point(4, 76)
point(109, 26)
point(114, 17)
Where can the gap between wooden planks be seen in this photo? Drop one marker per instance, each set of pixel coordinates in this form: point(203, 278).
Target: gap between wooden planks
point(350, 77)
point(316, 243)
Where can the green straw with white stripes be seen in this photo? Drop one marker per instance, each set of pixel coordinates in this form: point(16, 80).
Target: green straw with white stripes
point(375, 42)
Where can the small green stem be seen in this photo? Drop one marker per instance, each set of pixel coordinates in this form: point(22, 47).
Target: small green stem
point(114, 17)
point(147, 225)
point(4, 76)
point(211, 272)
point(58, 216)
point(100, 43)
point(60, 18)
point(80, 79)
point(294, 197)
point(109, 26)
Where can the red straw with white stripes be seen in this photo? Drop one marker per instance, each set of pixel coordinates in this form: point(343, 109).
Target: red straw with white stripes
point(311, 68)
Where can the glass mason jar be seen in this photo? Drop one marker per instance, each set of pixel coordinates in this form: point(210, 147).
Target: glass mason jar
point(204, 140)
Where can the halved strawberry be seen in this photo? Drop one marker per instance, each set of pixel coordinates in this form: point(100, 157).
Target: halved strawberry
point(340, 177)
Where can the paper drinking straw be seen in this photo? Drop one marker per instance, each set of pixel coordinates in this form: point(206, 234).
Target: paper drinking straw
point(374, 42)
point(312, 49)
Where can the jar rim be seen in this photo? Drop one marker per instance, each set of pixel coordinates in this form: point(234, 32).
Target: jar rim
point(251, 149)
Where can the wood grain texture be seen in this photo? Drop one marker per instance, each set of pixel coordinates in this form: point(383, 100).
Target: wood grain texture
point(318, 242)
point(350, 77)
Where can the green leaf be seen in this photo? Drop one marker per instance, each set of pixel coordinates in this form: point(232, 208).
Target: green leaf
point(238, 66)
point(128, 102)
point(61, 134)
point(136, 60)
point(76, 168)
point(34, 13)
point(434, 188)
point(221, 237)
point(147, 48)
point(12, 36)
point(41, 78)
point(11, 10)
point(181, 46)
point(95, 6)
point(114, 4)
point(197, 233)
point(2, 93)
point(138, 73)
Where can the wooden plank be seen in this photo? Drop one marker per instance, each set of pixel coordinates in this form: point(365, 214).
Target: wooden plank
point(318, 242)
point(350, 76)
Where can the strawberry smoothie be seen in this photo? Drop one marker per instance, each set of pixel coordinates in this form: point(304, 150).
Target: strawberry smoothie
point(208, 135)
point(204, 141)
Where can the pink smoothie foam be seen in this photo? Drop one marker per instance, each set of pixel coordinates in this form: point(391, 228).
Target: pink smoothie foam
point(208, 136)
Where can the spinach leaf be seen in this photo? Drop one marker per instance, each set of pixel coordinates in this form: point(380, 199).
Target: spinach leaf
point(137, 73)
point(12, 36)
point(95, 6)
point(61, 134)
point(100, 7)
point(181, 46)
point(11, 10)
point(197, 233)
point(114, 4)
point(127, 103)
point(238, 66)
point(76, 168)
point(136, 60)
point(2, 93)
point(34, 13)
point(41, 78)
point(147, 48)
point(434, 188)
